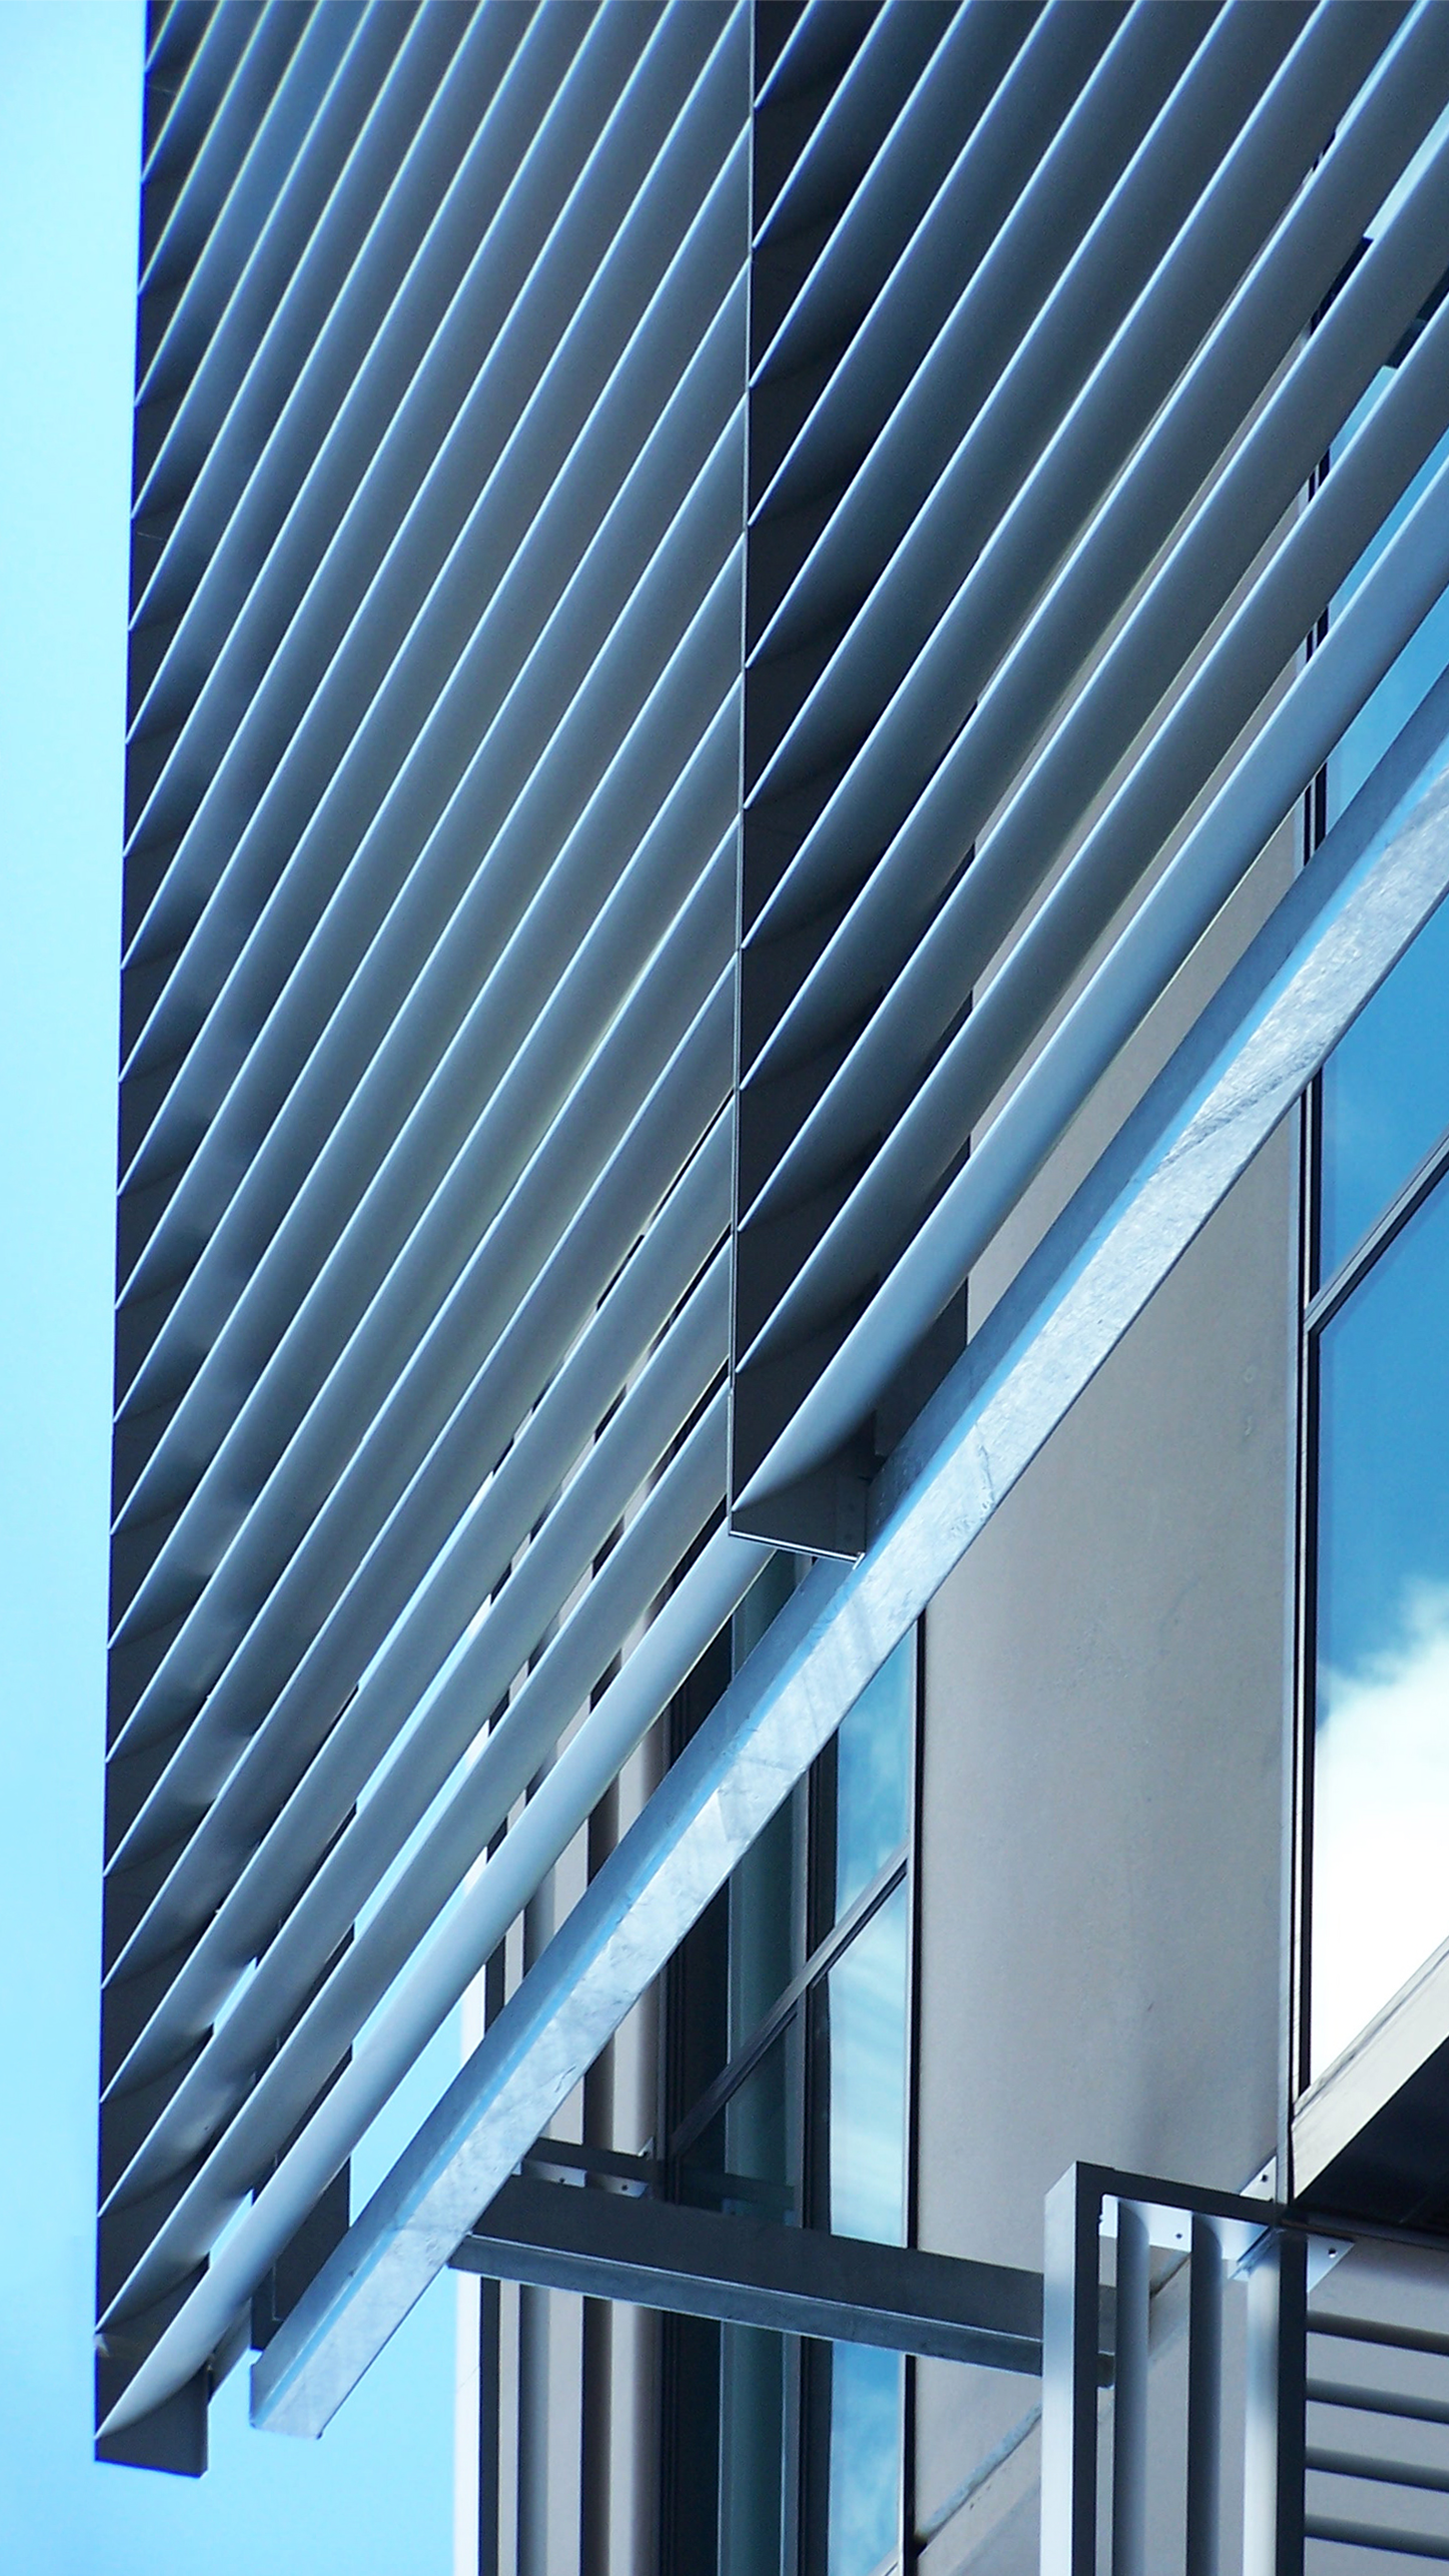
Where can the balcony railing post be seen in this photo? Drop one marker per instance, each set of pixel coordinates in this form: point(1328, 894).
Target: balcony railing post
point(1129, 2407)
point(1204, 2398)
point(1071, 2311)
point(1274, 2438)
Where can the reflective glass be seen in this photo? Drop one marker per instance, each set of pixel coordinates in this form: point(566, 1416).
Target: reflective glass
point(1385, 1090)
point(746, 2158)
point(762, 1933)
point(866, 2006)
point(762, 1925)
point(865, 2457)
point(873, 1775)
point(867, 2077)
point(751, 2451)
point(1381, 1771)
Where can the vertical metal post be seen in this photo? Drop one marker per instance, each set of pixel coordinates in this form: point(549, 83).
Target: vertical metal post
point(1071, 2307)
point(1204, 2398)
point(1129, 2410)
point(1274, 2462)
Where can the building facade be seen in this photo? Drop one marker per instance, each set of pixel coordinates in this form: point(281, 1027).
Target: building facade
point(781, 1413)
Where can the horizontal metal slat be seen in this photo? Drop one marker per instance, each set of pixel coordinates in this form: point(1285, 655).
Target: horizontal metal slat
point(395, 1789)
point(423, 980)
point(325, 99)
point(339, 1601)
point(429, 158)
point(299, 627)
point(605, 659)
point(395, 1161)
point(635, 1570)
point(174, 29)
point(444, 1026)
point(1371, 2535)
point(651, 481)
point(304, 1418)
point(1195, 428)
point(496, 1277)
point(1265, 786)
point(1015, 519)
point(222, 148)
point(351, 1856)
point(671, 1646)
point(1083, 241)
point(796, 60)
point(1214, 550)
point(249, 1844)
point(201, 59)
point(566, 319)
point(1017, 81)
point(873, 89)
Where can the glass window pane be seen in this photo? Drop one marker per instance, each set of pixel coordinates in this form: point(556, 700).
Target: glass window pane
point(746, 2159)
point(1381, 1776)
point(866, 2007)
point(762, 1925)
point(1405, 686)
point(1385, 1092)
point(873, 1775)
point(1385, 1095)
point(865, 2457)
point(751, 2451)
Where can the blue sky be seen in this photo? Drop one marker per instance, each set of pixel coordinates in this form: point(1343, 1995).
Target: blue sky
point(374, 2497)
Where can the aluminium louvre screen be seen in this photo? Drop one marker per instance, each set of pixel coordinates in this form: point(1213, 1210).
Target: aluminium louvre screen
point(467, 576)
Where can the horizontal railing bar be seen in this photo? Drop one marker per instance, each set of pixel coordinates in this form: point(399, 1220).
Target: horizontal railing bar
point(1393, 2473)
point(1376, 2330)
point(1378, 2401)
point(1367, 2535)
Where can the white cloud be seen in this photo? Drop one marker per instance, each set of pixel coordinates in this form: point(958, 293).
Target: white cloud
point(1381, 1823)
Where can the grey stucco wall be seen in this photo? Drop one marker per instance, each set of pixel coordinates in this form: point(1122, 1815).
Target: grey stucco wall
point(1102, 1814)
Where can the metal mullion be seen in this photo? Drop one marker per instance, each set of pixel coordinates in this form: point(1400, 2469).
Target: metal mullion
point(1299, 1947)
point(1317, 1312)
point(1325, 1305)
point(382, 1950)
point(746, 2058)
